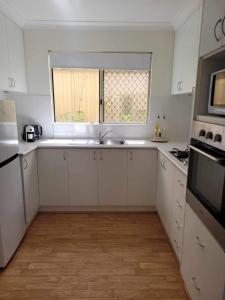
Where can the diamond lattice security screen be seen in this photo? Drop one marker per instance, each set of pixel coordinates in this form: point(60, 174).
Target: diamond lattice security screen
point(126, 96)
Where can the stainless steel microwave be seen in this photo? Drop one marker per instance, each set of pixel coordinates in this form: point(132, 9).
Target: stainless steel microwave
point(216, 104)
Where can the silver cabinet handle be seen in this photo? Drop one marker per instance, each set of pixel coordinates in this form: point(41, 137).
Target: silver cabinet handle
point(64, 155)
point(181, 85)
point(131, 155)
point(178, 225)
point(10, 82)
point(193, 279)
point(180, 183)
point(178, 204)
point(223, 29)
point(94, 155)
point(26, 164)
point(176, 244)
point(13, 82)
point(163, 163)
point(101, 155)
point(215, 28)
point(199, 242)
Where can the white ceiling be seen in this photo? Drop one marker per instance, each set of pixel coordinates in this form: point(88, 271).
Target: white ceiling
point(146, 13)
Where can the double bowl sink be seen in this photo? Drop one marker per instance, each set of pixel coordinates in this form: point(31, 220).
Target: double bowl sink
point(97, 142)
point(92, 142)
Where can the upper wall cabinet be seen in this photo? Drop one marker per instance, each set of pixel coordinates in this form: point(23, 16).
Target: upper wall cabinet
point(186, 51)
point(12, 60)
point(213, 26)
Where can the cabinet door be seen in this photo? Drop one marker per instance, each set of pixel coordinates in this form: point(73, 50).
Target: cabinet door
point(142, 169)
point(4, 57)
point(164, 191)
point(178, 210)
point(213, 14)
point(191, 41)
point(30, 184)
point(186, 51)
point(205, 275)
point(52, 176)
point(16, 57)
point(112, 177)
point(83, 177)
point(178, 62)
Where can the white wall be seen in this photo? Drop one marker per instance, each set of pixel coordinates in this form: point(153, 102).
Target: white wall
point(39, 42)
point(36, 107)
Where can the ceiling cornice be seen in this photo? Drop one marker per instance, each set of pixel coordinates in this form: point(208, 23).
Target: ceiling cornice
point(98, 25)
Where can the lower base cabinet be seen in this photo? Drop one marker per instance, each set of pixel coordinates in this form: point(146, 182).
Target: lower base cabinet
point(203, 261)
point(30, 185)
point(52, 175)
point(141, 177)
point(97, 177)
point(112, 177)
point(82, 177)
point(170, 201)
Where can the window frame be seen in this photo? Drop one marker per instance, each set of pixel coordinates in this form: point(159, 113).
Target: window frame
point(101, 100)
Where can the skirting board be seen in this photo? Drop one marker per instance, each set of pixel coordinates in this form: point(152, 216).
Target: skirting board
point(97, 208)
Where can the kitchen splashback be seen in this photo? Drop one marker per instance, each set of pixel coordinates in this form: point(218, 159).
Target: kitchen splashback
point(38, 109)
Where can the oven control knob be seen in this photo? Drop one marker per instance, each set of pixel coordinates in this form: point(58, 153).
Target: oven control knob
point(209, 135)
point(218, 138)
point(202, 132)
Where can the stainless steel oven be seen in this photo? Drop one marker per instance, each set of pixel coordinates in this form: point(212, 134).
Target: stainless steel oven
point(206, 180)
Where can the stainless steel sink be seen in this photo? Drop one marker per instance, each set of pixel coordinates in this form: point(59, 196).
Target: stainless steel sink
point(111, 142)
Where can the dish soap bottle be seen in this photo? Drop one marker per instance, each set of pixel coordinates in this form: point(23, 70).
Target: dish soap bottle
point(158, 128)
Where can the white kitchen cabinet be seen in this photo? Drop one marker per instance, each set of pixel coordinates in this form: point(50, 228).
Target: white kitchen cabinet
point(186, 52)
point(141, 177)
point(112, 177)
point(212, 36)
point(4, 57)
point(171, 202)
point(30, 185)
point(53, 177)
point(12, 59)
point(178, 210)
point(16, 57)
point(164, 201)
point(203, 261)
point(83, 177)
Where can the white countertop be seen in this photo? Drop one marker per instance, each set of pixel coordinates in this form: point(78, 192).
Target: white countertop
point(164, 148)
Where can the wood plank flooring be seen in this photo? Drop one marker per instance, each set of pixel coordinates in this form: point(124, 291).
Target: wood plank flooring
point(87, 256)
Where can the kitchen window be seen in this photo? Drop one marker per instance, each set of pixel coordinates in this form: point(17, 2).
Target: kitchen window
point(101, 95)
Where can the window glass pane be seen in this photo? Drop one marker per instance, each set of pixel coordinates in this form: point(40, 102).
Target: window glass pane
point(126, 96)
point(76, 95)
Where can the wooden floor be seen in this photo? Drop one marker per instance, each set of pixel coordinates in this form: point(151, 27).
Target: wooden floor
point(94, 256)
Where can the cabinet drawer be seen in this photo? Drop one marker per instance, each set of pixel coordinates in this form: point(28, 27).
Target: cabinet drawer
point(203, 260)
point(179, 195)
point(177, 236)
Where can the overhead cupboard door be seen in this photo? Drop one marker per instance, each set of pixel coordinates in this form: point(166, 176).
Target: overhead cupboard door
point(213, 26)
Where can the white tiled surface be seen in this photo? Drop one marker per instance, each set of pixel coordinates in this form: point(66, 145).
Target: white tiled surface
point(164, 148)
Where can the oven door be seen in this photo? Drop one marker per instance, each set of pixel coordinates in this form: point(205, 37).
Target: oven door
point(206, 186)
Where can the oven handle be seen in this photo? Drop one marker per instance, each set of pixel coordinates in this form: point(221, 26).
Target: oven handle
point(218, 160)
